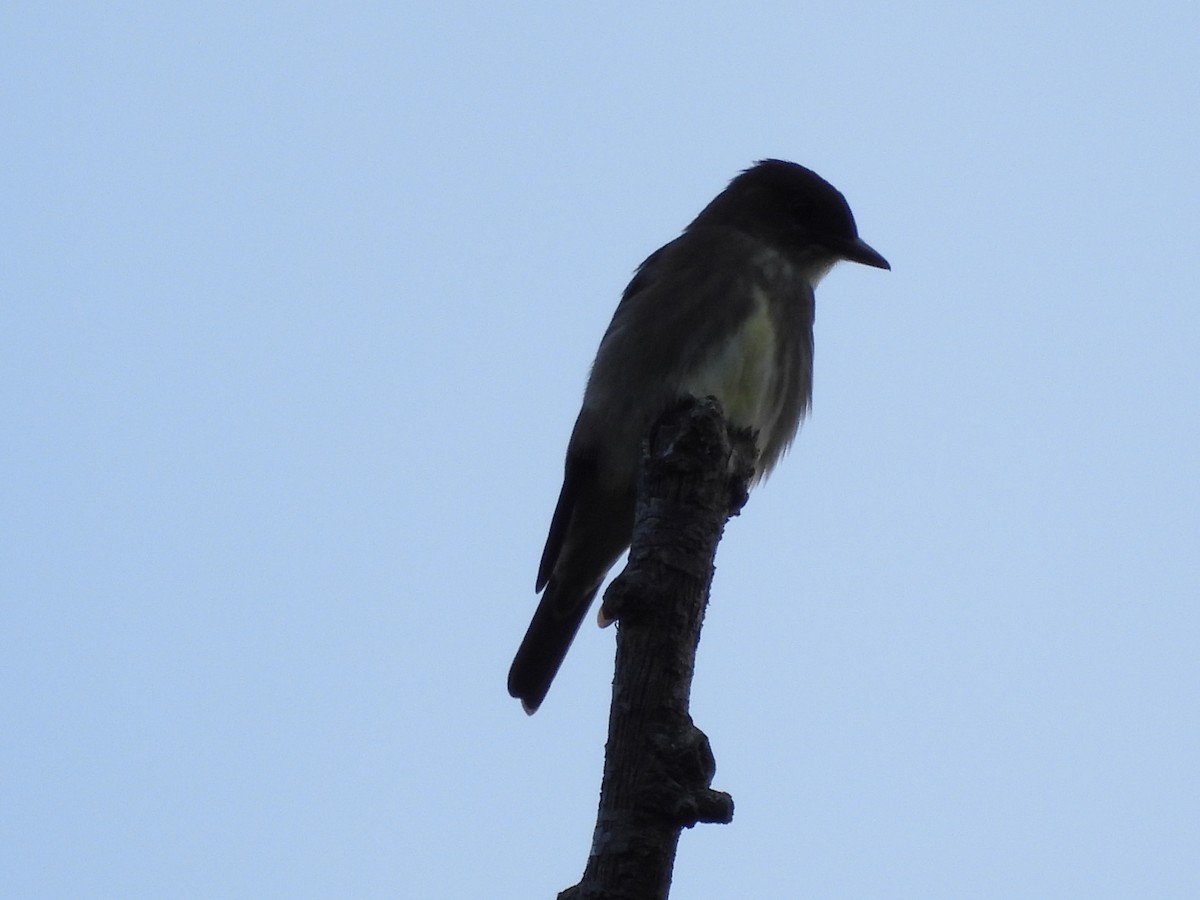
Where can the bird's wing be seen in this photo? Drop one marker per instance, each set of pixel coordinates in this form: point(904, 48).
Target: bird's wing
point(683, 300)
point(577, 471)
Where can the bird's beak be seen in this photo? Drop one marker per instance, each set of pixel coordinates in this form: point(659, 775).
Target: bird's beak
point(860, 251)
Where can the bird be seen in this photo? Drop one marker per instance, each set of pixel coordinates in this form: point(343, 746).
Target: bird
point(724, 310)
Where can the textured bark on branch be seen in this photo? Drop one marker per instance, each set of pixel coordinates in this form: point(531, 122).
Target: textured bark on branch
point(658, 765)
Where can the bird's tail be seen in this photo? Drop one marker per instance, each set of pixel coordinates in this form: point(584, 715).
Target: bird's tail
point(550, 634)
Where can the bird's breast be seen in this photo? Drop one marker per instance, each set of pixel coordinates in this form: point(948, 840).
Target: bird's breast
point(741, 370)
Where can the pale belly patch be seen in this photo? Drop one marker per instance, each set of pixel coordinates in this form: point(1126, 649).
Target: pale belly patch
point(740, 373)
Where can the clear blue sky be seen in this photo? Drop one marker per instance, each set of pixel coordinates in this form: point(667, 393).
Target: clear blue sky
point(296, 306)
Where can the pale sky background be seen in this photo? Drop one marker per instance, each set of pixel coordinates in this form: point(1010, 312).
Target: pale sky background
point(297, 307)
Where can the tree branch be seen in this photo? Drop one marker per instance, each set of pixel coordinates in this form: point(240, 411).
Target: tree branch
point(658, 765)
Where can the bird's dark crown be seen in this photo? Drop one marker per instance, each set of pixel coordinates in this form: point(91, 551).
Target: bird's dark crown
point(782, 202)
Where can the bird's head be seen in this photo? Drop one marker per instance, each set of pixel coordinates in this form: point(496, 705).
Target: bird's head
point(794, 209)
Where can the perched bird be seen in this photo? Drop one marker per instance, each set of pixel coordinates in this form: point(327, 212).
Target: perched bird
point(724, 310)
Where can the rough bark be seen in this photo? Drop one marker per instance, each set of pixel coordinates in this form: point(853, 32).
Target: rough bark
point(658, 765)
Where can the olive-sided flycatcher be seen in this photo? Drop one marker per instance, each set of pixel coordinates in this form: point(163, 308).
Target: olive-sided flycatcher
point(724, 310)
